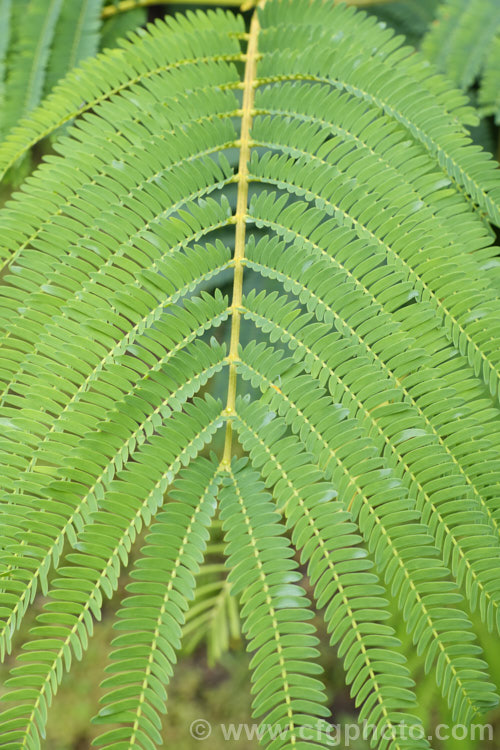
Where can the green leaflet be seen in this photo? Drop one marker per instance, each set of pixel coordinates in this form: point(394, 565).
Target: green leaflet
point(328, 172)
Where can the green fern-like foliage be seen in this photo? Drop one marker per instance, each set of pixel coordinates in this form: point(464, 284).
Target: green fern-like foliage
point(213, 616)
point(76, 38)
point(409, 17)
point(326, 173)
point(464, 42)
point(41, 41)
point(489, 92)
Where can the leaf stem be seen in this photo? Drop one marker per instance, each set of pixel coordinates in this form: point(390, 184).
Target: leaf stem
point(241, 214)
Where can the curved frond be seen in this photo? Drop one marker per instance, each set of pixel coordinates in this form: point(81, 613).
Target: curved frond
point(402, 545)
point(289, 698)
point(433, 126)
point(464, 43)
point(153, 611)
point(76, 36)
point(449, 434)
point(143, 60)
point(28, 61)
point(433, 423)
point(489, 93)
point(102, 548)
point(213, 616)
point(118, 439)
point(462, 39)
point(338, 567)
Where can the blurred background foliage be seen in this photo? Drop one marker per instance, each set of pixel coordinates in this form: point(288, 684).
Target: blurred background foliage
point(210, 681)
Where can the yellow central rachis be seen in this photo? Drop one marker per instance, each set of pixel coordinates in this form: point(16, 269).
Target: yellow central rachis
point(241, 214)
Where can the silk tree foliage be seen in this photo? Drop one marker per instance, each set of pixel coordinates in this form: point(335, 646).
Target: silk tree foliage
point(409, 17)
point(464, 43)
point(40, 41)
point(327, 172)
